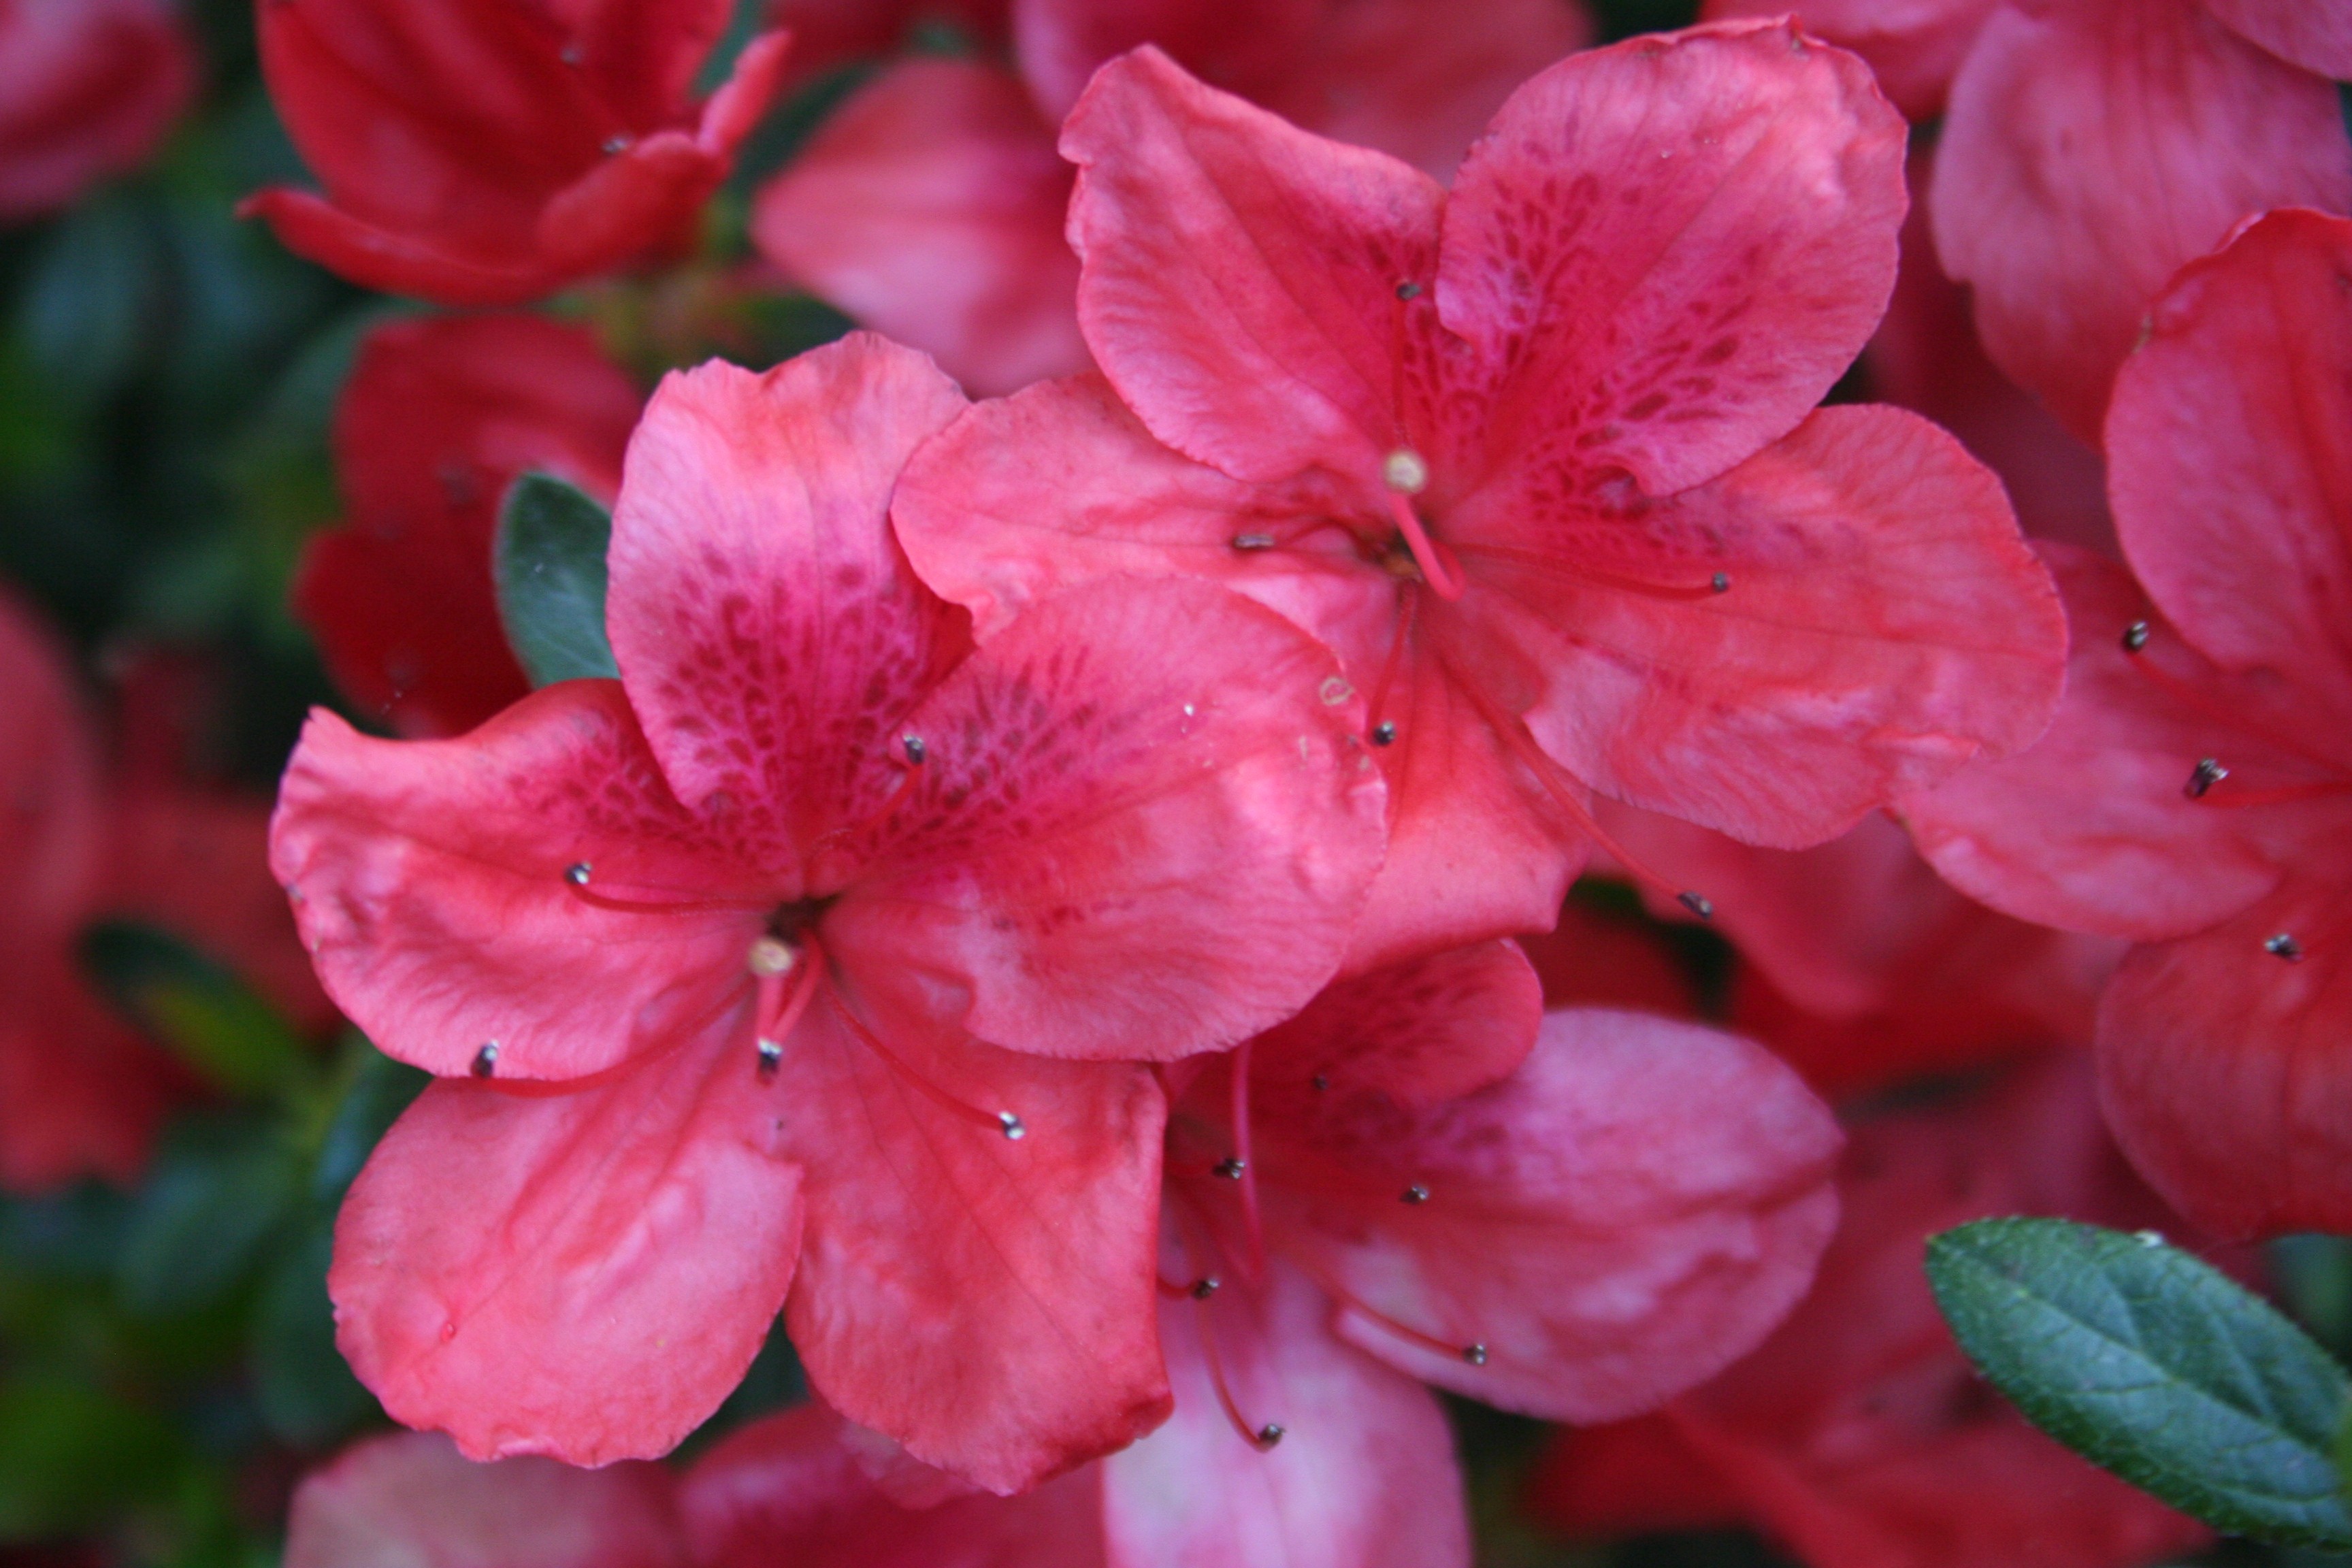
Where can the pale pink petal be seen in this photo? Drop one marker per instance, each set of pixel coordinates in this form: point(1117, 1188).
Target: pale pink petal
point(410, 1499)
point(1914, 46)
point(2226, 1068)
point(1628, 1214)
point(767, 628)
point(1143, 827)
point(1362, 1477)
point(1665, 252)
point(1238, 276)
point(2230, 436)
point(2092, 828)
point(788, 1490)
point(2092, 148)
point(930, 207)
point(2313, 34)
point(984, 1300)
point(584, 1275)
point(433, 882)
point(1881, 623)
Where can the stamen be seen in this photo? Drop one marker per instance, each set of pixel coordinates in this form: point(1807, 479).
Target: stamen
point(1384, 734)
point(1408, 291)
point(1320, 1082)
point(2196, 702)
point(1416, 1194)
point(1205, 1287)
point(771, 956)
point(1549, 774)
point(1407, 610)
point(556, 1088)
point(1242, 1157)
point(1537, 560)
point(1229, 1167)
point(771, 1057)
point(1247, 541)
point(1405, 470)
point(2135, 636)
point(1474, 1352)
point(2283, 946)
point(577, 873)
point(2203, 777)
point(2282, 795)
point(1003, 1121)
point(1258, 1437)
point(485, 1060)
point(1720, 583)
point(1444, 583)
point(916, 749)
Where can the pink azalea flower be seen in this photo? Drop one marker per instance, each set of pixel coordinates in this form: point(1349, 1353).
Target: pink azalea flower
point(478, 155)
point(816, 937)
point(88, 88)
point(1566, 550)
point(930, 204)
point(1859, 1435)
point(2195, 793)
point(439, 417)
point(2092, 146)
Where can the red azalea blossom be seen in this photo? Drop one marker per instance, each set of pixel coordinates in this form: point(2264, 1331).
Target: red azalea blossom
point(1859, 1434)
point(817, 938)
point(88, 88)
point(1564, 550)
point(479, 153)
point(438, 419)
point(930, 204)
point(2092, 146)
point(2195, 793)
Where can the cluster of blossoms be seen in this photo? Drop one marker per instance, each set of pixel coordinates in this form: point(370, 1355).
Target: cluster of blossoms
point(1064, 908)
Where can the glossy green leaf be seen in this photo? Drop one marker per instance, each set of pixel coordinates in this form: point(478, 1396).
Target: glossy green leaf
point(378, 1089)
point(207, 1016)
point(2154, 1364)
point(306, 1393)
point(552, 536)
point(219, 1192)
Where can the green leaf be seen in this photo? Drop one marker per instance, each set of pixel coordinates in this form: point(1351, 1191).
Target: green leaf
point(380, 1089)
point(198, 1008)
point(2154, 1365)
point(551, 562)
point(217, 1194)
point(71, 1457)
point(307, 1394)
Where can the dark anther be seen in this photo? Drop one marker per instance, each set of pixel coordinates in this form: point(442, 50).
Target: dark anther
point(1408, 290)
point(1415, 1193)
point(2134, 636)
point(1384, 732)
point(1720, 583)
point(2204, 776)
point(1269, 1434)
point(1012, 1126)
point(771, 1057)
point(916, 749)
point(1322, 1080)
point(1205, 1287)
point(1474, 1355)
point(1698, 904)
point(1252, 542)
point(577, 874)
point(616, 144)
point(2283, 946)
point(485, 1060)
point(1230, 1167)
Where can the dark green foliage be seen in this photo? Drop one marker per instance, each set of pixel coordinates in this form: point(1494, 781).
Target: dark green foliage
point(552, 537)
point(2156, 1365)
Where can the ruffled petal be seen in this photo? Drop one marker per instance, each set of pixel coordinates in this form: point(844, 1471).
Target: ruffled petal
point(930, 207)
point(2092, 829)
point(2230, 436)
point(431, 884)
point(2226, 1068)
point(1665, 252)
point(768, 630)
point(789, 1490)
point(410, 1500)
point(1628, 1214)
point(1362, 1477)
point(1143, 828)
point(2092, 149)
point(583, 1274)
point(1238, 274)
point(1883, 622)
point(985, 1300)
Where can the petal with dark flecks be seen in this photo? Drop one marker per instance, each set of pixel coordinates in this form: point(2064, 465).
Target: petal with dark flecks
point(583, 1274)
point(430, 883)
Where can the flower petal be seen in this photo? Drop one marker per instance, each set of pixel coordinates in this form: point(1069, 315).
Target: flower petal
point(1238, 276)
point(930, 207)
point(1364, 1476)
point(984, 1300)
point(2315, 34)
point(430, 883)
point(1143, 828)
point(2090, 149)
point(787, 1489)
point(2230, 436)
point(1913, 47)
point(408, 1499)
point(88, 88)
point(2225, 1068)
point(1628, 1214)
point(1883, 622)
point(583, 1274)
point(768, 630)
point(1667, 250)
point(392, 260)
